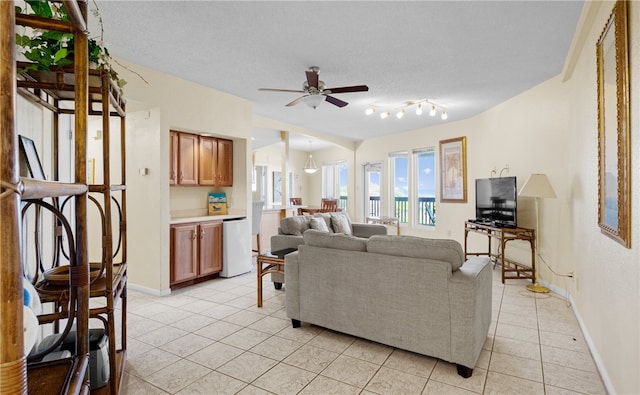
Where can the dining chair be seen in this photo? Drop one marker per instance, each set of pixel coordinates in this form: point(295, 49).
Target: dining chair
point(329, 205)
point(296, 201)
point(256, 220)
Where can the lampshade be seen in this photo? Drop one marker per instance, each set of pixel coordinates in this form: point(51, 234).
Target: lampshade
point(313, 100)
point(310, 167)
point(537, 185)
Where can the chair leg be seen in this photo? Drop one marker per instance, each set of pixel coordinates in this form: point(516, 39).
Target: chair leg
point(464, 371)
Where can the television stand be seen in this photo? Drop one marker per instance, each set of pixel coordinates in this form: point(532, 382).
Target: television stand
point(511, 270)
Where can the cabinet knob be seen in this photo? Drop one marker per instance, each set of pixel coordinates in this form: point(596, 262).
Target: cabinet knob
point(202, 235)
point(181, 175)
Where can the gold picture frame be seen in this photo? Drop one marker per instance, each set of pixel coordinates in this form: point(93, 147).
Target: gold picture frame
point(614, 156)
point(453, 170)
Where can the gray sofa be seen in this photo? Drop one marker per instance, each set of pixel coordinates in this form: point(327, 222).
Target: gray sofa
point(291, 230)
point(413, 293)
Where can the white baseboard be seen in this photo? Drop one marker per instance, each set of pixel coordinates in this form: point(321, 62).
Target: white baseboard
point(587, 338)
point(149, 291)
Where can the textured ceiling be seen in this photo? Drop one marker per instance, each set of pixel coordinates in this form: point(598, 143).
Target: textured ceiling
point(466, 56)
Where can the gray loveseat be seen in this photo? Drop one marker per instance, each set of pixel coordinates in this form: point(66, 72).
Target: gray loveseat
point(291, 230)
point(412, 293)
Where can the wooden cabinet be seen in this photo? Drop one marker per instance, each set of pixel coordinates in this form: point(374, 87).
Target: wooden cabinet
point(225, 163)
point(173, 163)
point(196, 250)
point(207, 160)
point(200, 160)
point(210, 248)
point(187, 159)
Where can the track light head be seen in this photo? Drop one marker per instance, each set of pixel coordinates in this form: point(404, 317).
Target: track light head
point(432, 112)
point(419, 109)
point(369, 111)
point(444, 115)
point(383, 115)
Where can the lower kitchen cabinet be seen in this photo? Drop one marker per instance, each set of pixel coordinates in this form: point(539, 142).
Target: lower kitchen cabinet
point(196, 250)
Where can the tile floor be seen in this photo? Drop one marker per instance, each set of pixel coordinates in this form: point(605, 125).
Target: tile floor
point(211, 338)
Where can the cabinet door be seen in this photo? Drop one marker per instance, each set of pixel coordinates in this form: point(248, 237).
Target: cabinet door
point(225, 163)
point(210, 247)
point(173, 165)
point(187, 159)
point(184, 252)
point(207, 161)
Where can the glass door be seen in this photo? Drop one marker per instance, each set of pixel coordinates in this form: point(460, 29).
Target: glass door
point(372, 187)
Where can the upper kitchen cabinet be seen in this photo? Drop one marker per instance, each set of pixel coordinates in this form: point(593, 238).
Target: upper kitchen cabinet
point(200, 160)
point(187, 159)
point(225, 163)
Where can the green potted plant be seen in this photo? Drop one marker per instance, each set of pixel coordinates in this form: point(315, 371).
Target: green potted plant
point(48, 49)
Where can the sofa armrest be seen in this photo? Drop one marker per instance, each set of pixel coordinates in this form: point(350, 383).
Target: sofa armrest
point(368, 230)
point(470, 300)
point(291, 276)
point(280, 242)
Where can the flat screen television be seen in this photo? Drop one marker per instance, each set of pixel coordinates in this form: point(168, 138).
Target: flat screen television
point(496, 201)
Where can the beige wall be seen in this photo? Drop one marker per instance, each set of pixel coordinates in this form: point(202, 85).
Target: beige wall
point(552, 129)
point(169, 103)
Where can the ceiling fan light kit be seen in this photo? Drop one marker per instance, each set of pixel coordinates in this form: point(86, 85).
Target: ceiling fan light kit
point(386, 111)
point(315, 91)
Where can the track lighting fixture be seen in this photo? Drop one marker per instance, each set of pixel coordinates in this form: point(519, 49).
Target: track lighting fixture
point(400, 110)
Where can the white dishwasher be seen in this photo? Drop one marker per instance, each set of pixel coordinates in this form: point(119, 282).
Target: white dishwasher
point(236, 247)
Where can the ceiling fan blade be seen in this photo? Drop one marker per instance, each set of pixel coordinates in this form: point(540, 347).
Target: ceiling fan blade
point(312, 79)
point(296, 101)
point(281, 90)
point(336, 102)
point(346, 89)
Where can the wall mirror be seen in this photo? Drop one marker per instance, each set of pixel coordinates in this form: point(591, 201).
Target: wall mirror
point(614, 168)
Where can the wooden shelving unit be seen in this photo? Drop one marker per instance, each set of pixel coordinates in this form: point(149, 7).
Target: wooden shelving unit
point(511, 270)
point(80, 92)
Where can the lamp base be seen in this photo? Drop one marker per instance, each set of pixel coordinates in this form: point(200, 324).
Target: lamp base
point(537, 288)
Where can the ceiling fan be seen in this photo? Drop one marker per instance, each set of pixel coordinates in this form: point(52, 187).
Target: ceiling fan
point(315, 92)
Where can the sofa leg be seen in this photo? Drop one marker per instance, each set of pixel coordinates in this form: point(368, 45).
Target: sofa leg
point(464, 371)
point(295, 323)
point(277, 285)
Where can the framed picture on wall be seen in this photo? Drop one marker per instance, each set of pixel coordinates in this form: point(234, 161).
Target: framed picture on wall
point(453, 170)
point(29, 158)
point(614, 149)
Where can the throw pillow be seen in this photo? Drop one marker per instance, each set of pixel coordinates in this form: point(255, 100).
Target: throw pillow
point(318, 224)
point(327, 219)
point(341, 224)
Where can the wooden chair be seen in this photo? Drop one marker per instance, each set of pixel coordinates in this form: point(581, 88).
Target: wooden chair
point(256, 221)
point(329, 205)
point(296, 201)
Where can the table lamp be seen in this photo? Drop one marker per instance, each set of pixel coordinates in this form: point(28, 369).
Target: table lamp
point(537, 186)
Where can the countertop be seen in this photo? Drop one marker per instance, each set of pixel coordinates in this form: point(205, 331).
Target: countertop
point(278, 208)
point(186, 220)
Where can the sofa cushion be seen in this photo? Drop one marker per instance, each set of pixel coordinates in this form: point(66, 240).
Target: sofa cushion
point(336, 241)
point(318, 224)
point(295, 225)
point(418, 247)
point(341, 223)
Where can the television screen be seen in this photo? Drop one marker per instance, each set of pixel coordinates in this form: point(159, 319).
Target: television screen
point(496, 201)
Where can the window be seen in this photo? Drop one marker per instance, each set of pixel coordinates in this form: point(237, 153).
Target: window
point(399, 163)
point(335, 179)
point(425, 178)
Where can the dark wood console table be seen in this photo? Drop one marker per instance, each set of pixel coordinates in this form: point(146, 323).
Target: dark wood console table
point(510, 269)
